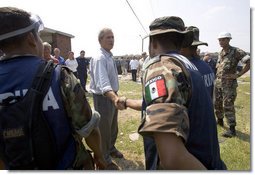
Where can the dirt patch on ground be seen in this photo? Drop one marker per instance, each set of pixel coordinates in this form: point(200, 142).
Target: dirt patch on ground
point(127, 114)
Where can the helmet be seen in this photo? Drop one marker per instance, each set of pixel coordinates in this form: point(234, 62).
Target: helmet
point(224, 35)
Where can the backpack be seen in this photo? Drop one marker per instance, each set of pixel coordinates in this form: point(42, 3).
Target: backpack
point(26, 140)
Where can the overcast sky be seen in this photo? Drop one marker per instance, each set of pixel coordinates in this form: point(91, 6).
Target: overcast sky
point(84, 19)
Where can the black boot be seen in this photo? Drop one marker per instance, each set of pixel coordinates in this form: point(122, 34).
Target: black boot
point(220, 122)
point(230, 133)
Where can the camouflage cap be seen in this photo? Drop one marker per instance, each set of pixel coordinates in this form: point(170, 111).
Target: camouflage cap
point(196, 41)
point(168, 24)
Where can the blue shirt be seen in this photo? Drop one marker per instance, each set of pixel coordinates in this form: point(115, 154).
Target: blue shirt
point(104, 74)
point(61, 60)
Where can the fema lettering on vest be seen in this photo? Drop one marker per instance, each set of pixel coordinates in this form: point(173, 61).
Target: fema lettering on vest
point(48, 102)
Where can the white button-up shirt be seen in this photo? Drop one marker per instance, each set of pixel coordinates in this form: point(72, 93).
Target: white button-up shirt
point(103, 73)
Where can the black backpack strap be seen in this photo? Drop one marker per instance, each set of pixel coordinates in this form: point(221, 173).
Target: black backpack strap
point(45, 153)
point(42, 79)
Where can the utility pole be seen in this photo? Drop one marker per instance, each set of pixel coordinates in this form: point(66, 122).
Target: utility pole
point(143, 40)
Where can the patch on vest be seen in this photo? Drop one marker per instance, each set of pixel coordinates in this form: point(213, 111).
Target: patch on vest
point(13, 133)
point(155, 88)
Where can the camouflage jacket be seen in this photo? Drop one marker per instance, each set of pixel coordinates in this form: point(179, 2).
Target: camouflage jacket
point(165, 91)
point(227, 64)
point(79, 111)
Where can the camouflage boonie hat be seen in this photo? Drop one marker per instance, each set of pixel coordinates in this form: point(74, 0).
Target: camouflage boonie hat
point(196, 41)
point(169, 24)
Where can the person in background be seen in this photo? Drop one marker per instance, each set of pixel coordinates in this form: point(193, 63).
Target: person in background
point(60, 59)
point(210, 61)
point(123, 64)
point(191, 53)
point(134, 65)
point(72, 63)
point(65, 107)
point(141, 61)
point(83, 65)
point(177, 109)
point(47, 53)
point(226, 81)
point(104, 85)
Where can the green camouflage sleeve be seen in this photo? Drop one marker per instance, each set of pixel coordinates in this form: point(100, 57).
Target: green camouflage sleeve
point(74, 98)
point(242, 55)
point(166, 91)
point(78, 110)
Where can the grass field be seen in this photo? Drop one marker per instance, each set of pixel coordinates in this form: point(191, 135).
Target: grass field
point(236, 152)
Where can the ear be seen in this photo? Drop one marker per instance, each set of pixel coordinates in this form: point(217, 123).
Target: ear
point(31, 39)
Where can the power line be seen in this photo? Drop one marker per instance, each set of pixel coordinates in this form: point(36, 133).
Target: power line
point(152, 9)
point(137, 17)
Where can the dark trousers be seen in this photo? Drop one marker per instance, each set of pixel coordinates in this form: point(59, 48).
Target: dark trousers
point(151, 155)
point(150, 148)
point(108, 125)
point(134, 71)
point(83, 79)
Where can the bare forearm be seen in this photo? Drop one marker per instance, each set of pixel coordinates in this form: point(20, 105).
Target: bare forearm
point(134, 104)
point(244, 70)
point(174, 155)
point(94, 142)
point(187, 162)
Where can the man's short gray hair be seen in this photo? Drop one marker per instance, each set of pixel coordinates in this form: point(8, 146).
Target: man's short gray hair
point(102, 32)
point(46, 44)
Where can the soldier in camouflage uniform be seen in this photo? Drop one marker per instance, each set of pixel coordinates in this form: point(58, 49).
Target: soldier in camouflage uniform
point(65, 100)
point(226, 81)
point(177, 110)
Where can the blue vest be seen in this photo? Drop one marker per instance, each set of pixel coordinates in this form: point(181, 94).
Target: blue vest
point(207, 74)
point(82, 65)
point(203, 139)
point(16, 76)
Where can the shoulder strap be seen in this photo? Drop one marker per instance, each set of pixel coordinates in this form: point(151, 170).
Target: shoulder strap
point(38, 90)
point(43, 77)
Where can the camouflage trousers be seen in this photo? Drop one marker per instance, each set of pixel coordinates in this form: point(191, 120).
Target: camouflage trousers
point(224, 99)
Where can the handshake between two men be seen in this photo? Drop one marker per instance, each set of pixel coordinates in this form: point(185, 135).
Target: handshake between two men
point(123, 102)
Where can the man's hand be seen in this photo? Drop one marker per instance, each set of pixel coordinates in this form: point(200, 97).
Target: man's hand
point(120, 103)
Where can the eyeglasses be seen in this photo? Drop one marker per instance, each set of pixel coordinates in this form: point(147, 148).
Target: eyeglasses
point(37, 24)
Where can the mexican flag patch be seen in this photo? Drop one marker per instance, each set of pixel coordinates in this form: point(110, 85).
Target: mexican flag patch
point(155, 88)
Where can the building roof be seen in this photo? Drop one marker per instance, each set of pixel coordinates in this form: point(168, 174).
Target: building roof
point(48, 30)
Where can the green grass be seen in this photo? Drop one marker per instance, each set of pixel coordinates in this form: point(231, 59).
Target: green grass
point(236, 152)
